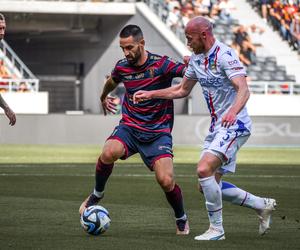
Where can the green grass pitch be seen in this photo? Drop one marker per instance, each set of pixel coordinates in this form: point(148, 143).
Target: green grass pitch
point(41, 188)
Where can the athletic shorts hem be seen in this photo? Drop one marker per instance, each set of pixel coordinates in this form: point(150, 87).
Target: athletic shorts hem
point(160, 157)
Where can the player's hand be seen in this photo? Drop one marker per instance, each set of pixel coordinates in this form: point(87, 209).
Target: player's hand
point(229, 119)
point(141, 95)
point(186, 59)
point(11, 116)
point(108, 104)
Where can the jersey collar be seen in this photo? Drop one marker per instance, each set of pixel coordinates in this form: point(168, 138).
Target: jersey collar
point(212, 49)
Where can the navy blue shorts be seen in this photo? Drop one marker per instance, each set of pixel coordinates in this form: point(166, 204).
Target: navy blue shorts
point(150, 146)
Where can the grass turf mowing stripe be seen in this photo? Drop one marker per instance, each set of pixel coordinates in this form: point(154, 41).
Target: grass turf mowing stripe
point(151, 175)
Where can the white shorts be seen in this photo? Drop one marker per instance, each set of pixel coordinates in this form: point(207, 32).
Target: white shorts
point(224, 143)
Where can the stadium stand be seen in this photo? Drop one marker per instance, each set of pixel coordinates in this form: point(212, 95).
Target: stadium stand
point(265, 75)
point(13, 72)
point(284, 17)
point(79, 36)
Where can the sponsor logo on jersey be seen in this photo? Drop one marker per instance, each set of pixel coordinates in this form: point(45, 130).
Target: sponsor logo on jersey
point(237, 68)
point(134, 76)
point(128, 77)
point(139, 76)
point(208, 82)
point(233, 62)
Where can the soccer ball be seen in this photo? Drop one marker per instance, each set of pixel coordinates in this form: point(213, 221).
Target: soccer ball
point(95, 220)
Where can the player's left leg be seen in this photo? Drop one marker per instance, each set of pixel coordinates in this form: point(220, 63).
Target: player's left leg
point(230, 192)
point(164, 173)
point(240, 197)
point(157, 154)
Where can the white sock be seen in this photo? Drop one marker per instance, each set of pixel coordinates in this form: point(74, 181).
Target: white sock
point(98, 194)
point(213, 197)
point(184, 217)
point(240, 197)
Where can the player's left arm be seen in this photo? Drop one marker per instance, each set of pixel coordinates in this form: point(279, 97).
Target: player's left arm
point(8, 111)
point(242, 96)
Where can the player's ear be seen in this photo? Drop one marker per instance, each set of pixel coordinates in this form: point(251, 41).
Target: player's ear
point(142, 42)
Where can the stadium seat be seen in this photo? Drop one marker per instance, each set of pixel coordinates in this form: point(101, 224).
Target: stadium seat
point(291, 78)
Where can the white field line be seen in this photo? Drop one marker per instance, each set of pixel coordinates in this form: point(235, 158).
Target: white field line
point(149, 175)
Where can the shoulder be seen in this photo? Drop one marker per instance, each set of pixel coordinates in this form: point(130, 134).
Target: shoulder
point(227, 53)
point(163, 59)
point(121, 65)
point(122, 62)
point(195, 60)
point(155, 57)
point(224, 49)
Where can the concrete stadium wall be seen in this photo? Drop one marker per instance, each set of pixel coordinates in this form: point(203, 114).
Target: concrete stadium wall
point(94, 129)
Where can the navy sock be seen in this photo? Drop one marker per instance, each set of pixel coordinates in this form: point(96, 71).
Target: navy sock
point(175, 199)
point(103, 172)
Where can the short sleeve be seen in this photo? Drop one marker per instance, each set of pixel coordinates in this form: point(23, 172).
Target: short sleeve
point(174, 68)
point(190, 72)
point(115, 74)
point(231, 64)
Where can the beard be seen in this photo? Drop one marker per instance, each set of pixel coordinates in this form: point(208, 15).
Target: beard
point(132, 60)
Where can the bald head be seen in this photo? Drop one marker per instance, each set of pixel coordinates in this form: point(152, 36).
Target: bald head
point(198, 33)
point(199, 24)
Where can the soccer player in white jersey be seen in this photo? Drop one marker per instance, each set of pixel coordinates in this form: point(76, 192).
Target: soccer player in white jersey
point(8, 112)
point(223, 80)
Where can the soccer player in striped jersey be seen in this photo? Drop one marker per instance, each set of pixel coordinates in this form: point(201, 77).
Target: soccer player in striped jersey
point(223, 80)
point(7, 110)
point(145, 128)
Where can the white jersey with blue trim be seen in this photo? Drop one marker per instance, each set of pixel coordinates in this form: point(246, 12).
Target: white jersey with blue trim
point(213, 70)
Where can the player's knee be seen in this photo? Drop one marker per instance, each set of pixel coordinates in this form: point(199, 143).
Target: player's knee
point(109, 155)
point(166, 183)
point(203, 171)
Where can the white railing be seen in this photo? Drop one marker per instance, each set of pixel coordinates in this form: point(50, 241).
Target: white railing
point(22, 79)
point(22, 85)
point(17, 64)
point(289, 88)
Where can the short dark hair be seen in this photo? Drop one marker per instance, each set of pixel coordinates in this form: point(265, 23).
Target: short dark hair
point(132, 30)
point(2, 18)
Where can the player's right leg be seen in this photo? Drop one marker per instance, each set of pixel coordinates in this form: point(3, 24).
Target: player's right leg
point(112, 151)
point(206, 168)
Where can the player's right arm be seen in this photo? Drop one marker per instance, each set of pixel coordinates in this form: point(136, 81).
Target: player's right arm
point(8, 112)
point(174, 92)
point(107, 101)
